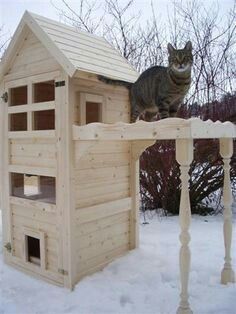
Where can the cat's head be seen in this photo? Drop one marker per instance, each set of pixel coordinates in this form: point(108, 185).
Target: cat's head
point(181, 60)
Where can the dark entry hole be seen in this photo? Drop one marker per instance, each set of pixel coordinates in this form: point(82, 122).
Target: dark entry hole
point(93, 112)
point(33, 245)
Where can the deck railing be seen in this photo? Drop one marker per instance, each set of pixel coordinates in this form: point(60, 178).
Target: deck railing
point(143, 134)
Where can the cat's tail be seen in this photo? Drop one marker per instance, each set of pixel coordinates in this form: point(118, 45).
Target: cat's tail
point(114, 82)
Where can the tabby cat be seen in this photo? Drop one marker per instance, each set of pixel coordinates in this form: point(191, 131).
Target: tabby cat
point(160, 89)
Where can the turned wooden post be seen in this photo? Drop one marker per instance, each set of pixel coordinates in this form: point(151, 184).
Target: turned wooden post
point(226, 151)
point(184, 156)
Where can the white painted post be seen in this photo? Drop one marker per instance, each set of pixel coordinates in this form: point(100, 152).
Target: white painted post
point(226, 151)
point(184, 156)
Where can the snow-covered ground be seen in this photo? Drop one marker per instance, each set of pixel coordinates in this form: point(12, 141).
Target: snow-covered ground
point(144, 281)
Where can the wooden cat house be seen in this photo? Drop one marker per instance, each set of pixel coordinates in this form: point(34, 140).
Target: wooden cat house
point(69, 166)
point(65, 213)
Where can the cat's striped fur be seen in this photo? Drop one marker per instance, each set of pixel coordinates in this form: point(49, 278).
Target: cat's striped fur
point(160, 89)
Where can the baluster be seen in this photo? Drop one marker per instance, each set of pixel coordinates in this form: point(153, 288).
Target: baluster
point(226, 151)
point(184, 156)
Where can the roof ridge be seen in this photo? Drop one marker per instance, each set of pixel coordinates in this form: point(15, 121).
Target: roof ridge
point(72, 28)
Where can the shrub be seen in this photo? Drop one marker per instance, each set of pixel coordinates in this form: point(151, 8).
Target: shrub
point(160, 175)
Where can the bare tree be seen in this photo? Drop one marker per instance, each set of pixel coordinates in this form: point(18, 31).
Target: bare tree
point(144, 43)
point(214, 43)
point(4, 39)
point(85, 17)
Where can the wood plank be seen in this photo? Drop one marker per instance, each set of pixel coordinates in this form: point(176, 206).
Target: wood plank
point(102, 210)
point(135, 190)
point(164, 129)
point(29, 69)
point(107, 69)
point(29, 48)
point(100, 199)
point(112, 91)
point(35, 205)
point(17, 248)
point(73, 35)
point(86, 55)
point(39, 171)
point(84, 192)
point(102, 235)
point(114, 116)
point(30, 57)
point(65, 177)
point(51, 46)
point(14, 80)
point(31, 134)
point(102, 164)
point(48, 142)
point(86, 47)
point(171, 128)
point(99, 262)
point(90, 161)
point(5, 178)
point(101, 174)
point(117, 105)
point(21, 221)
point(93, 226)
point(47, 105)
point(102, 247)
point(33, 150)
point(33, 213)
point(39, 161)
point(109, 148)
point(102, 190)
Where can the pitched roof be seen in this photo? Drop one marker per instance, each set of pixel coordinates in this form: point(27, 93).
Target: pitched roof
point(73, 49)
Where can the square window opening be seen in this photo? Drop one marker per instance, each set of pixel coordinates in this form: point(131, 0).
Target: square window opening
point(44, 120)
point(18, 121)
point(38, 188)
point(93, 112)
point(18, 96)
point(44, 91)
point(33, 250)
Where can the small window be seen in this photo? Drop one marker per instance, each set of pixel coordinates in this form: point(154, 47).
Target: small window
point(33, 250)
point(93, 112)
point(18, 121)
point(44, 91)
point(39, 188)
point(44, 120)
point(18, 96)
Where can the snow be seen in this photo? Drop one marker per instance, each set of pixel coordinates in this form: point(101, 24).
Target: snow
point(144, 281)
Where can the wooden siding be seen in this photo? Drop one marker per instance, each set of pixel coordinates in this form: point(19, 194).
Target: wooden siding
point(102, 233)
point(117, 107)
point(33, 152)
point(36, 219)
point(102, 184)
point(31, 58)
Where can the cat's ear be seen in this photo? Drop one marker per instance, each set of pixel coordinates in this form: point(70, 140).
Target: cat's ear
point(170, 48)
point(188, 46)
